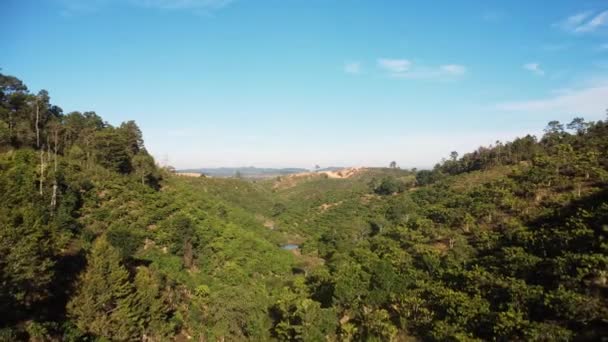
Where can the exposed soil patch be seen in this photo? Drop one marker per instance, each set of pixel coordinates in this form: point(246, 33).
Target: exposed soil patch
point(326, 206)
point(285, 182)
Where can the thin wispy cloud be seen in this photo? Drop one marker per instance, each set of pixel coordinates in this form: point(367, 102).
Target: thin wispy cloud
point(589, 101)
point(405, 69)
point(574, 21)
point(453, 69)
point(598, 21)
point(534, 68)
point(584, 22)
point(394, 66)
point(443, 73)
point(353, 68)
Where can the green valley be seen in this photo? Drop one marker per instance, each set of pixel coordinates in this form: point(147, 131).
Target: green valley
point(99, 243)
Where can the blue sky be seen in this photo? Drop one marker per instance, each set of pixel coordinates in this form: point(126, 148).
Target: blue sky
point(305, 82)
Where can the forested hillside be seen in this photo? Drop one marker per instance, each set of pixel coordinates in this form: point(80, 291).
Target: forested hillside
point(97, 243)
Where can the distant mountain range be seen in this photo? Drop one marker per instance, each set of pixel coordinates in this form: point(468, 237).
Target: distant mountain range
point(252, 172)
point(249, 172)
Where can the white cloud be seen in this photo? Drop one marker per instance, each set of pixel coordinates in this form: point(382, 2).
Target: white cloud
point(589, 101)
point(584, 22)
point(352, 68)
point(572, 22)
point(395, 66)
point(534, 68)
point(404, 69)
point(598, 21)
point(453, 69)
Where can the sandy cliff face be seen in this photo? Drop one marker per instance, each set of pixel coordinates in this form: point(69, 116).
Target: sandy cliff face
point(344, 173)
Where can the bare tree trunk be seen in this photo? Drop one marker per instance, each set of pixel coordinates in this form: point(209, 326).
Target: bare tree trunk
point(37, 124)
point(54, 196)
point(38, 146)
point(41, 170)
point(56, 146)
point(48, 149)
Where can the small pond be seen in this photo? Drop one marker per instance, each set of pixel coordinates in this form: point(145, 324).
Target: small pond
point(290, 247)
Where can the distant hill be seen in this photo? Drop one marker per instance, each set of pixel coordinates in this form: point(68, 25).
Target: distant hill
point(331, 168)
point(247, 172)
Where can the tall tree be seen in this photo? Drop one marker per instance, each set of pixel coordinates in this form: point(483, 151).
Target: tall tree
point(143, 165)
point(104, 304)
point(110, 150)
point(152, 304)
point(132, 136)
point(578, 125)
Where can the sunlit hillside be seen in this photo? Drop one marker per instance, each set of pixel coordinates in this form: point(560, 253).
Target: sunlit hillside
point(97, 242)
